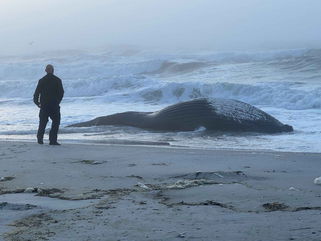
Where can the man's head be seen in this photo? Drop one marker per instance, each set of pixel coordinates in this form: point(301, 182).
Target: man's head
point(49, 69)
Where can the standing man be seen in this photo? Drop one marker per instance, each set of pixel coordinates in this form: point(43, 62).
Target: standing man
point(51, 92)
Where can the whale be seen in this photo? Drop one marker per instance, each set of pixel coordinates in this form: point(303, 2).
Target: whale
point(211, 113)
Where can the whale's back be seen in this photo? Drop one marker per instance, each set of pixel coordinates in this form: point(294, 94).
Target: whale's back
point(183, 116)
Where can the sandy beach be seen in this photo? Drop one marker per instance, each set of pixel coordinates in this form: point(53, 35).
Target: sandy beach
point(118, 192)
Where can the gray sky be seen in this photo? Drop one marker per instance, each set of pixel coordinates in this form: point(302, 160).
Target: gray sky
point(38, 25)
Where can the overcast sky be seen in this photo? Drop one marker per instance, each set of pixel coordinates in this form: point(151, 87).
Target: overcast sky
point(38, 25)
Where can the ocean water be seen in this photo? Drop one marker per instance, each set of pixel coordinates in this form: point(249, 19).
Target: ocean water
point(284, 83)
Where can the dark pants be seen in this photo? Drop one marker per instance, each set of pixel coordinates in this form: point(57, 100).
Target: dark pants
point(53, 112)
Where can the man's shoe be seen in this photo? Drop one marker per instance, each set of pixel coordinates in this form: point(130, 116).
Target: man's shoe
point(40, 142)
point(54, 144)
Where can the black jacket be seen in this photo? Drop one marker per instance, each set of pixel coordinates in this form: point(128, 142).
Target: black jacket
point(50, 90)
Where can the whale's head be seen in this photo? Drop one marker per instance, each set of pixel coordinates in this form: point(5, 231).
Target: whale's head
point(287, 128)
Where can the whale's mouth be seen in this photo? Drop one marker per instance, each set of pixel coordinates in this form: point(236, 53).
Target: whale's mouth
point(287, 128)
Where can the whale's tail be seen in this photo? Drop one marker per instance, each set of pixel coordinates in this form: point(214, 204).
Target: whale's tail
point(85, 124)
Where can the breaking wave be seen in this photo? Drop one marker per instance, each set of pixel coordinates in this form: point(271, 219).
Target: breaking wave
point(171, 68)
point(283, 95)
point(287, 79)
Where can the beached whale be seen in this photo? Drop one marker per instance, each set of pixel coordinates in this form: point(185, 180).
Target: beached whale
point(213, 114)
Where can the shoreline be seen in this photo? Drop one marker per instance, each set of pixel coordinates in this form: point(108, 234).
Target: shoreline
point(121, 192)
point(130, 143)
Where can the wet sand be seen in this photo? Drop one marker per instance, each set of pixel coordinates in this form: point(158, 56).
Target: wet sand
point(118, 192)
